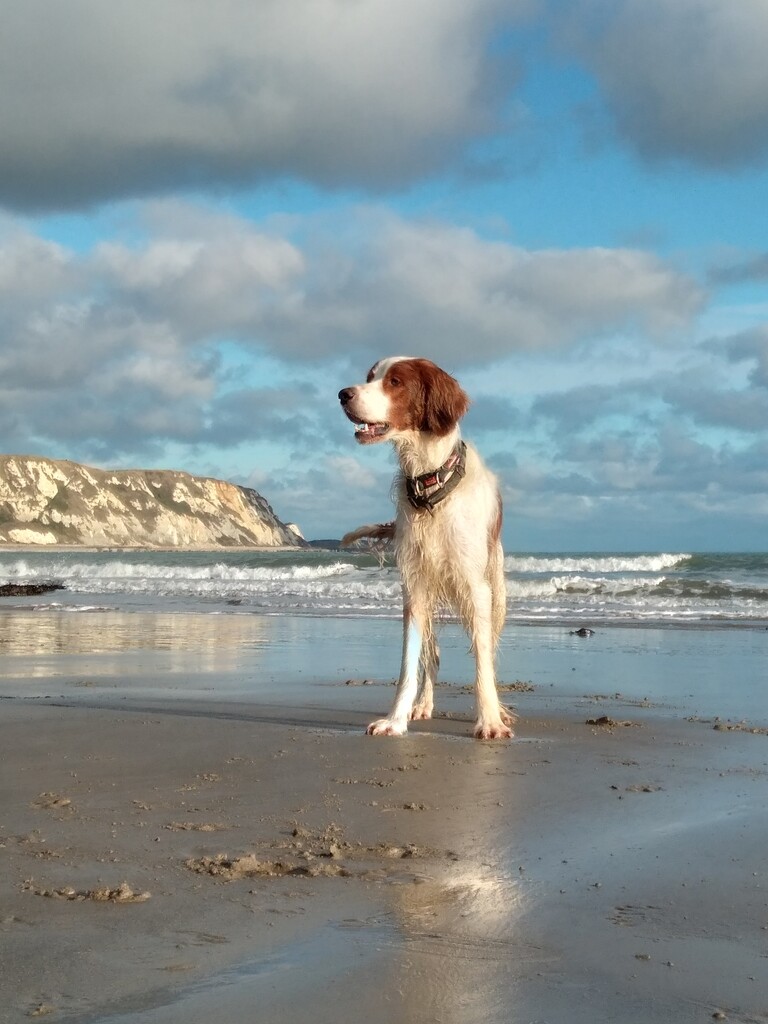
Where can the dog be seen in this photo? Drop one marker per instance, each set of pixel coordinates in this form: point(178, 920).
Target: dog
point(447, 532)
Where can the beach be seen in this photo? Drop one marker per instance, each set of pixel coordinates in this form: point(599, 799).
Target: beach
point(194, 826)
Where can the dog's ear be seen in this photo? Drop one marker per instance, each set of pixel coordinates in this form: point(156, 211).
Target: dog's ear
point(445, 401)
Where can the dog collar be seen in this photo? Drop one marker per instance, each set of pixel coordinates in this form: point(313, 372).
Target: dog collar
point(430, 489)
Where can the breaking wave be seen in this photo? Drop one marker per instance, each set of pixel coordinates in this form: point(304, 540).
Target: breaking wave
point(593, 563)
point(568, 588)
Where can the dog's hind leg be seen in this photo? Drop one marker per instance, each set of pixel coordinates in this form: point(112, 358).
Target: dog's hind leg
point(498, 586)
point(493, 722)
point(430, 663)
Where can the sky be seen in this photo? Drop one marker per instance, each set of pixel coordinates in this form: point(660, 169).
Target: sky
point(215, 216)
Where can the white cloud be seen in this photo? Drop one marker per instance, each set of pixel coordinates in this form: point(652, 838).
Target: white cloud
point(207, 275)
point(31, 267)
point(137, 328)
point(474, 299)
point(351, 474)
point(429, 287)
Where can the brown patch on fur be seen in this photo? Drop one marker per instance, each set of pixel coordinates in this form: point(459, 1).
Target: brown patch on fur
point(423, 397)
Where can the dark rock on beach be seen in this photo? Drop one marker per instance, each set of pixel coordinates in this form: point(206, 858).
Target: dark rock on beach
point(28, 589)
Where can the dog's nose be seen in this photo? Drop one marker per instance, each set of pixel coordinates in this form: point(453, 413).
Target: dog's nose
point(345, 395)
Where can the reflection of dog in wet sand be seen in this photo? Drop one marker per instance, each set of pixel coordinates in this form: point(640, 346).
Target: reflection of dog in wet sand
point(447, 532)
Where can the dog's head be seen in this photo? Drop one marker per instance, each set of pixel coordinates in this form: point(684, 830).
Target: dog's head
point(404, 395)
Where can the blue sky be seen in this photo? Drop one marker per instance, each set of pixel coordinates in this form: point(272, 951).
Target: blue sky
point(212, 217)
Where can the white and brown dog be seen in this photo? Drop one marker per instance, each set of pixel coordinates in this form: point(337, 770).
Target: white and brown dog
point(447, 532)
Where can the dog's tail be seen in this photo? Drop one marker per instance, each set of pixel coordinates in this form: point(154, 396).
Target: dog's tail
point(381, 533)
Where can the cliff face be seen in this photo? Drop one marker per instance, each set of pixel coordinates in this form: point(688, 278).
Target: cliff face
point(46, 501)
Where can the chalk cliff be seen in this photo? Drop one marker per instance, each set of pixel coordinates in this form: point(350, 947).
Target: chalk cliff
point(49, 501)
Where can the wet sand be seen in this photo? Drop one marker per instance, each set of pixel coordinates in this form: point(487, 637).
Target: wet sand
point(175, 861)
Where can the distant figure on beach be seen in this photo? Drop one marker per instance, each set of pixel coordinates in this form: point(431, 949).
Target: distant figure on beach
point(447, 532)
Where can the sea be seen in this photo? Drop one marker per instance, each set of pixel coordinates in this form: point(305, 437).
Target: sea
point(685, 631)
point(597, 589)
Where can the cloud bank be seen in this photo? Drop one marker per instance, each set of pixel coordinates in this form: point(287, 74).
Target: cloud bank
point(125, 343)
point(102, 101)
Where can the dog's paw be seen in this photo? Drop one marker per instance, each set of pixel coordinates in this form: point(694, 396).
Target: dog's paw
point(386, 727)
point(508, 716)
point(421, 711)
point(493, 731)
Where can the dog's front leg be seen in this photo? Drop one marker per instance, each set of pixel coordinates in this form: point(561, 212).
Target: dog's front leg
point(396, 724)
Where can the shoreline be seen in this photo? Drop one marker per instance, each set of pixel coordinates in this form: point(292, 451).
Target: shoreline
point(307, 660)
point(577, 874)
point(112, 549)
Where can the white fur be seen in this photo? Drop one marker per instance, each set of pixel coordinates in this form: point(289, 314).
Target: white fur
point(371, 404)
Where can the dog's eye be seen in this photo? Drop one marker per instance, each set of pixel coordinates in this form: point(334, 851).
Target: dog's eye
point(395, 382)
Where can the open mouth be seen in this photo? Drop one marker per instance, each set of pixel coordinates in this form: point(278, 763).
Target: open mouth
point(367, 432)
